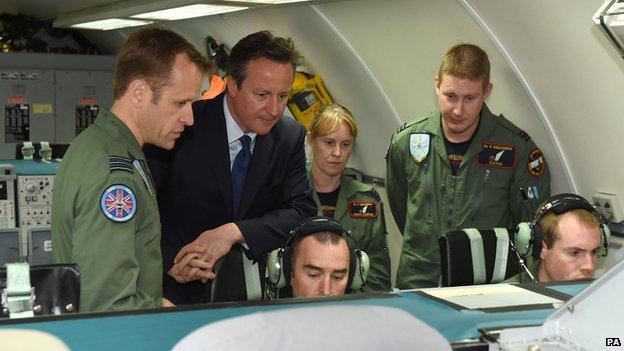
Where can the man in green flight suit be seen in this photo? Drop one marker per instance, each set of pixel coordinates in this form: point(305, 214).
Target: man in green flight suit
point(355, 205)
point(104, 213)
point(459, 167)
point(567, 235)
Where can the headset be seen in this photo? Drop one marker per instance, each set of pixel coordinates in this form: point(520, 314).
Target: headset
point(528, 236)
point(279, 267)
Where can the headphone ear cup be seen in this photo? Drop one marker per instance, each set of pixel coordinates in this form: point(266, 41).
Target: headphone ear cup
point(522, 239)
point(275, 268)
point(605, 237)
point(360, 271)
point(536, 241)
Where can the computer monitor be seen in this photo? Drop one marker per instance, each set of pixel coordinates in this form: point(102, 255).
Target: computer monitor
point(39, 246)
point(10, 246)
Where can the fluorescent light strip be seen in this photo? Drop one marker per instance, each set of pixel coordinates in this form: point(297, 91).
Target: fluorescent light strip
point(111, 23)
point(618, 21)
point(190, 11)
point(272, 2)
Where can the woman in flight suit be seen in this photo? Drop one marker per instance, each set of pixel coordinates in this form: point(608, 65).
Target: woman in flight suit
point(357, 206)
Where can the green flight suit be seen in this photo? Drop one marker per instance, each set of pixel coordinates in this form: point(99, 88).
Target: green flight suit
point(369, 233)
point(120, 262)
point(523, 277)
point(501, 180)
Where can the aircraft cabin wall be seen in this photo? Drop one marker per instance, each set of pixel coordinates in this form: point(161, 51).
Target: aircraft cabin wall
point(554, 73)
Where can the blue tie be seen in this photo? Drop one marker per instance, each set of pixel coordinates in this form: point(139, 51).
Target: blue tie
point(239, 172)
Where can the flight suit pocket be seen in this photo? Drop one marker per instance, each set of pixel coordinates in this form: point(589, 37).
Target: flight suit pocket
point(493, 196)
point(149, 227)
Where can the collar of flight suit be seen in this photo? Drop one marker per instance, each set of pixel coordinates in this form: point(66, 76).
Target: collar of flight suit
point(348, 188)
point(109, 122)
point(487, 124)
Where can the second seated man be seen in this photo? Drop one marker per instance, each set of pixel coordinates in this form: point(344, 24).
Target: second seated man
point(459, 167)
point(238, 176)
point(567, 238)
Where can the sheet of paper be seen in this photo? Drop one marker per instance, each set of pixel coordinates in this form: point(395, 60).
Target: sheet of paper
point(491, 296)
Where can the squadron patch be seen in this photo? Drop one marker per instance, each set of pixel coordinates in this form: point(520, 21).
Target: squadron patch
point(536, 162)
point(497, 155)
point(363, 209)
point(419, 146)
point(118, 203)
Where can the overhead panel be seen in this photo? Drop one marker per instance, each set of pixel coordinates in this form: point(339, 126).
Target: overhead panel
point(51, 97)
point(80, 96)
point(27, 97)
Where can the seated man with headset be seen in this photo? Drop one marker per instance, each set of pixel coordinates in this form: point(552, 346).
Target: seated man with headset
point(317, 260)
point(564, 240)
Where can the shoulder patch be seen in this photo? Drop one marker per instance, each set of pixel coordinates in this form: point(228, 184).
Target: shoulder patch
point(118, 203)
point(363, 209)
point(419, 146)
point(536, 163)
point(120, 163)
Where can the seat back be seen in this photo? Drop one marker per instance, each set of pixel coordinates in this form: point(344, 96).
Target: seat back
point(231, 282)
point(56, 289)
point(471, 257)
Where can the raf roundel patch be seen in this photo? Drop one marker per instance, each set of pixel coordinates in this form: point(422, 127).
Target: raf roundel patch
point(118, 203)
point(419, 146)
point(363, 209)
point(536, 163)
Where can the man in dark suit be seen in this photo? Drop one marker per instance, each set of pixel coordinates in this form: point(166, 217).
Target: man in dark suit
point(236, 181)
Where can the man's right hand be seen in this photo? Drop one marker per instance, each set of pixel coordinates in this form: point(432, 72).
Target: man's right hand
point(191, 267)
point(196, 260)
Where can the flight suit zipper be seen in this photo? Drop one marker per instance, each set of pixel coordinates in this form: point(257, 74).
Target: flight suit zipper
point(480, 192)
point(451, 204)
point(428, 188)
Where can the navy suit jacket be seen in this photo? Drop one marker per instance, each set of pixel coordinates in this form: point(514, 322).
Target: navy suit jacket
point(194, 187)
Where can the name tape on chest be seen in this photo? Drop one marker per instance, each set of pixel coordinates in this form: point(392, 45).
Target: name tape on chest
point(497, 155)
point(363, 209)
point(118, 203)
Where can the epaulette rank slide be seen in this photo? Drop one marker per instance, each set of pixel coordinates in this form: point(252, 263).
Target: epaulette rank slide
point(120, 163)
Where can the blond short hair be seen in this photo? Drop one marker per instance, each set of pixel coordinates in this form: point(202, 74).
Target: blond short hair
point(329, 118)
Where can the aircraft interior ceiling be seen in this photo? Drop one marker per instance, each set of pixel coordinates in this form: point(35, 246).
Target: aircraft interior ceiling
point(554, 74)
